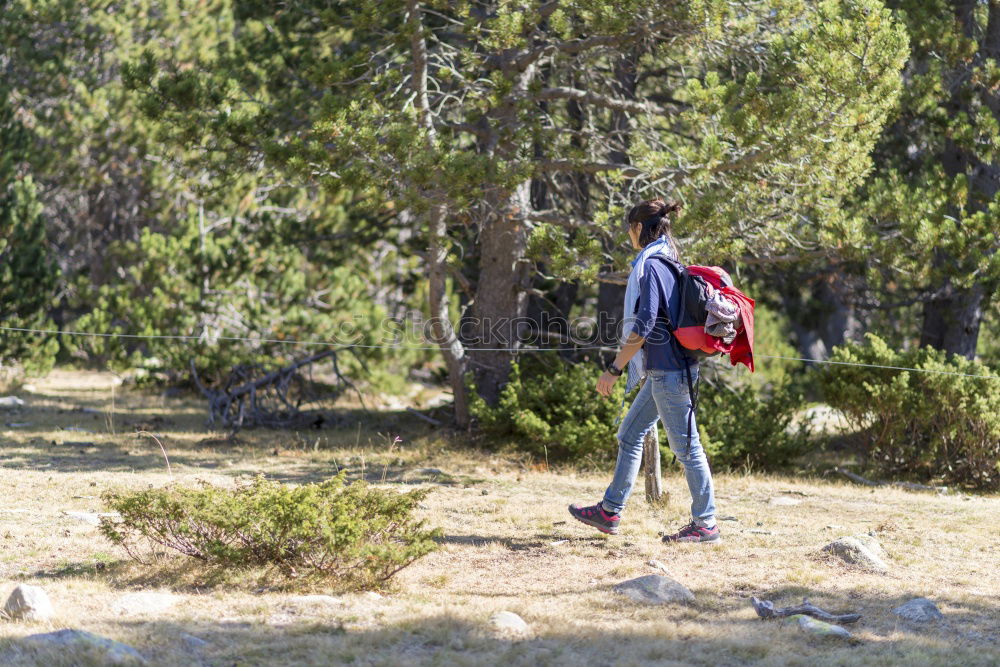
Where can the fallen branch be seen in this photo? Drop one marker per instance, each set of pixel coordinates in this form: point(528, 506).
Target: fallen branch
point(265, 400)
point(429, 420)
point(766, 609)
point(911, 486)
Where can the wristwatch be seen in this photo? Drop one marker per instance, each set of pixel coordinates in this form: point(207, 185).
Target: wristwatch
point(614, 370)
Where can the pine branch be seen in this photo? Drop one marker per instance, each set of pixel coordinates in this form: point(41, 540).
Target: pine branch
point(586, 97)
point(587, 167)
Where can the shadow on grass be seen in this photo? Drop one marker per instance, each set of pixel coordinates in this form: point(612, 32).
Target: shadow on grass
point(351, 634)
point(281, 454)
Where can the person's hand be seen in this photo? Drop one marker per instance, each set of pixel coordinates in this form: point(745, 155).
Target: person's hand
point(606, 383)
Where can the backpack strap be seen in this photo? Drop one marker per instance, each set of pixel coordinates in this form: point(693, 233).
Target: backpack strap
point(676, 267)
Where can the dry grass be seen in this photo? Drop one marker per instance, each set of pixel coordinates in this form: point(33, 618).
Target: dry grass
point(508, 545)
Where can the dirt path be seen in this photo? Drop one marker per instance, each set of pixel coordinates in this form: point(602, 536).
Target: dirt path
point(508, 545)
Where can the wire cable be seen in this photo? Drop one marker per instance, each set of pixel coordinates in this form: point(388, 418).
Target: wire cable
point(283, 341)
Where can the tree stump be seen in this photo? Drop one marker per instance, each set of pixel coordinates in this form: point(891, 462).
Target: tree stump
point(651, 466)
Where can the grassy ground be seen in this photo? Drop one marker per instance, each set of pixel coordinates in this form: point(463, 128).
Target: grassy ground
point(507, 546)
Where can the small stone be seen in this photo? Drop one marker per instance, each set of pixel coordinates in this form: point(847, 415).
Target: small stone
point(820, 628)
point(28, 603)
point(862, 551)
point(485, 492)
point(784, 501)
point(919, 610)
point(834, 526)
point(728, 518)
point(655, 589)
point(112, 652)
point(658, 565)
point(144, 602)
point(508, 622)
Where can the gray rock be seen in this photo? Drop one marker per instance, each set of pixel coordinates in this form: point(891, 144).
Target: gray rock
point(10, 402)
point(919, 610)
point(508, 622)
point(861, 551)
point(655, 589)
point(28, 603)
point(784, 501)
point(144, 603)
point(111, 652)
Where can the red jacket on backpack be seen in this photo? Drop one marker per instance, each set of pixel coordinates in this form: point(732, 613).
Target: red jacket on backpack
point(740, 351)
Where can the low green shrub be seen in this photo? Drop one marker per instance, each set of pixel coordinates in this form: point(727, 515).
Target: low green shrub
point(751, 428)
point(941, 425)
point(354, 533)
point(554, 412)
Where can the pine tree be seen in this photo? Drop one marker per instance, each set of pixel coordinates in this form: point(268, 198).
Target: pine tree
point(27, 274)
point(760, 116)
point(931, 207)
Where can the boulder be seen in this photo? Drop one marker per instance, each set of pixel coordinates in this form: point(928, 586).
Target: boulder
point(28, 603)
point(919, 610)
point(861, 551)
point(110, 651)
point(655, 589)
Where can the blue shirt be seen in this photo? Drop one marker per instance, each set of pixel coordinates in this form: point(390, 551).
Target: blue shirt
point(659, 298)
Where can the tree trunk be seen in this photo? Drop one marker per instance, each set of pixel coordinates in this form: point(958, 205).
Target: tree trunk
point(651, 466)
point(951, 322)
point(442, 330)
point(499, 311)
point(833, 322)
point(441, 325)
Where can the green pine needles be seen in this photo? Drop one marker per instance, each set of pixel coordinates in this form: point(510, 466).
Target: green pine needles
point(943, 424)
point(355, 534)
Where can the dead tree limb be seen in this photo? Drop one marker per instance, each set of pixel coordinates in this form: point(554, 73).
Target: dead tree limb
point(245, 401)
point(911, 486)
point(766, 609)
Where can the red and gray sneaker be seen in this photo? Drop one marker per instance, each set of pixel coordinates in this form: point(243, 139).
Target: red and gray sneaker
point(596, 516)
point(695, 533)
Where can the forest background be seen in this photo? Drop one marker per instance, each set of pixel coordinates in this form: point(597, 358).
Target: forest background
point(439, 186)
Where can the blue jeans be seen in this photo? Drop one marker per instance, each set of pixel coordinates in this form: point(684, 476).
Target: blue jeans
point(664, 395)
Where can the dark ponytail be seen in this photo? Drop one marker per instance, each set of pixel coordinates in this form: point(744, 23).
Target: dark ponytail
point(656, 217)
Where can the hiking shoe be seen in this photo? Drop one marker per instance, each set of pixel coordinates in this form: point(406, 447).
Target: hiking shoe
point(596, 516)
point(695, 533)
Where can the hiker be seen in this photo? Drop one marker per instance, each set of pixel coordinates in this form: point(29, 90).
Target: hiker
point(667, 392)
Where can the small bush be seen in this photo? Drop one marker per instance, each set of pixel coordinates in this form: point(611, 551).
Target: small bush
point(554, 412)
point(925, 425)
point(752, 428)
point(357, 534)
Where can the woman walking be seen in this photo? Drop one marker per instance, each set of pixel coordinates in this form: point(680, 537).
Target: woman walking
point(650, 298)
